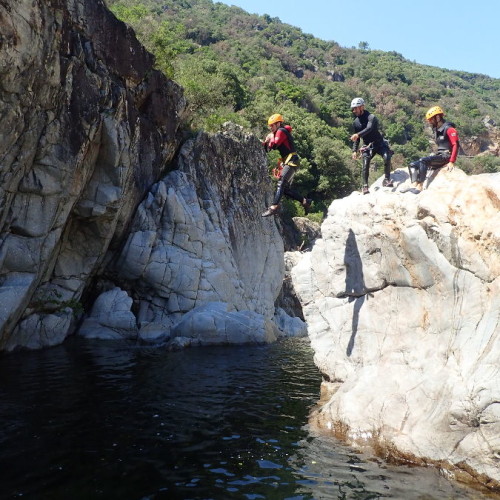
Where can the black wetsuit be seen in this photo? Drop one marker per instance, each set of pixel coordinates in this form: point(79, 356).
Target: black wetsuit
point(366, 126)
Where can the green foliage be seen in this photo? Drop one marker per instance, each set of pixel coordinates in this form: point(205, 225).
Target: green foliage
point(289, 91)
point(480, 164)
point(332, 158)
point(395, 132)
point(291, 208)
point(212, 88)
point(489, 164)
point(167, 42)
point(51, 302)
point(130, 13)
point(243, 67)
point(316, 217)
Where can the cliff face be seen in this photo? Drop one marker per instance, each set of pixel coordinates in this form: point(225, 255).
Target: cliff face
point(200, 265)
point(89, 132)
point(402, 300)
point(87, 127)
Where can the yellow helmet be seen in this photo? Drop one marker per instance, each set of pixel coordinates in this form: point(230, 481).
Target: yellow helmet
point(275, 119)
point(435, 110)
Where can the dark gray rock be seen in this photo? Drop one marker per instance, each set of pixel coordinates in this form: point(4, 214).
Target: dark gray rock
point(87, 127)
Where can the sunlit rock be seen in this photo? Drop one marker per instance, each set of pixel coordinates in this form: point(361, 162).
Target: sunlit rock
point(402, 300)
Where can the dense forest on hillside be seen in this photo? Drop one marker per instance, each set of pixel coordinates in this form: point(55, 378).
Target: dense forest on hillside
point(244, 67)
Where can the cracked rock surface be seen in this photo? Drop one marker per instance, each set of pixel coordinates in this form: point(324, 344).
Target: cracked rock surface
point(203, 267)
point(402, 300)
point(87, 127)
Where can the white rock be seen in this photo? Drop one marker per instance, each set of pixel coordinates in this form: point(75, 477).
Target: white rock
point(215, 323)
point(402, 301)
point(198, 239)
point(111, 317)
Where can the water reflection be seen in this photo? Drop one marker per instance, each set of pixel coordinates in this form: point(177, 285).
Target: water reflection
point(94, 420)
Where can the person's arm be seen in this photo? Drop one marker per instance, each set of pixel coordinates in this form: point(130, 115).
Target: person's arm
point(274, 140)
point(371, 125)
point(453, 138)
point(355, 138)
point(355, 145)
point(279, 138)
point(268, 141)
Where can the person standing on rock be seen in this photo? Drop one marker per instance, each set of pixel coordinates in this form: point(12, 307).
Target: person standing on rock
point(447, 142)
point(366, 127)
point(280, 138)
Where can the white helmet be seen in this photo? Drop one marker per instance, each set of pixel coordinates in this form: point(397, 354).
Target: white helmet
point(357, 101)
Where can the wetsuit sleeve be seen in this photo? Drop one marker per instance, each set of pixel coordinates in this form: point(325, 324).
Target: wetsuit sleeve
point(453, 138)
point(371, 126)
point(278, 139)
point(355, 146)
point(267, 142)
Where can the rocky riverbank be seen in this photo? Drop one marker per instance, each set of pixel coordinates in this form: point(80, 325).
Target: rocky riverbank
point(402, 300)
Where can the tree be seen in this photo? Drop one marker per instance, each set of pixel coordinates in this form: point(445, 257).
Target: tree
point(244, 67)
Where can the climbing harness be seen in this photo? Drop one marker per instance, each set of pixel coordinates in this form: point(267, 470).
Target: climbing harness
point(277, 170)
point(288, 161)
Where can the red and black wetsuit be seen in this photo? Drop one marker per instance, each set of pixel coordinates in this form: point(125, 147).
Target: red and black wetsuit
point(282, 141)
point(447, 141)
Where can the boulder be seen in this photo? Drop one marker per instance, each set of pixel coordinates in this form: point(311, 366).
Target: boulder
point(111, 317)
point(402, 300)
point(215, 323)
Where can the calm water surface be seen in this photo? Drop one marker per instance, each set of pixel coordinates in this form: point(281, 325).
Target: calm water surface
point(92, 420)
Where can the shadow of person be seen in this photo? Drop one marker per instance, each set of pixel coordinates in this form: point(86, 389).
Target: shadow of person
point(431, 175)
point(358, 302)
point(354, 284)
point(400, 176)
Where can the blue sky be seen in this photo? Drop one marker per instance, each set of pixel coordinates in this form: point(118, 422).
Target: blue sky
point(459, 34)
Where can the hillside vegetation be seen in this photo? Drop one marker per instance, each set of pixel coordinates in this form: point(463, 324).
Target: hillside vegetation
point(243, 67)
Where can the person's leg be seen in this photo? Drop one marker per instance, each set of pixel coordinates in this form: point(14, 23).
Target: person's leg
point(367, 156)
point(421, 173)
point(436, 161)
point(434, 164)
point(283, 187)
point(284, 183)
point(413, 169)
point(290, 193)
point(418, 171)
point(419, 168)
point(387, 155)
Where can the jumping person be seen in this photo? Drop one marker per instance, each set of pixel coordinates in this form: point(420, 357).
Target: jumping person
point(366, 127)
point(280, 138)
point(446, 138)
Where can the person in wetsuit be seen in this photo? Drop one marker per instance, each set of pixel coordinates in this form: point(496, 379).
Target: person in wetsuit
point(280, 138)
point(366, 127)
point(447, 142)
